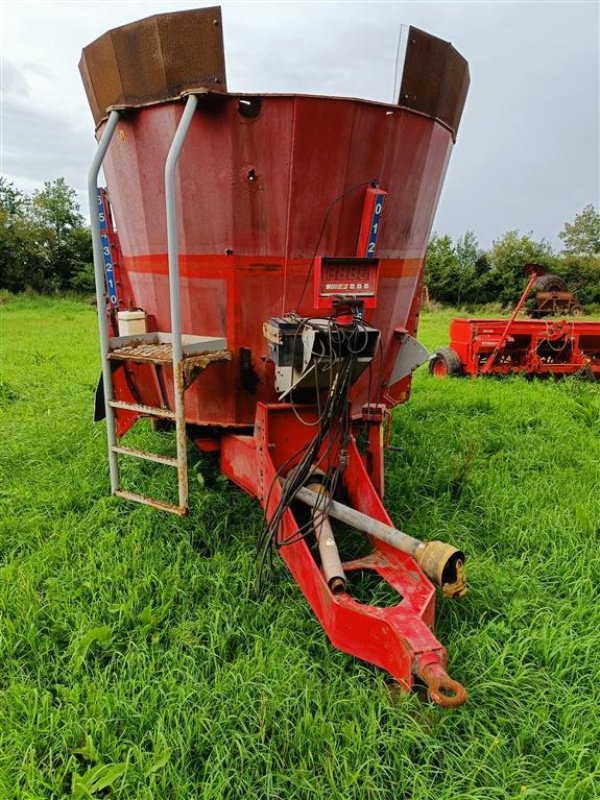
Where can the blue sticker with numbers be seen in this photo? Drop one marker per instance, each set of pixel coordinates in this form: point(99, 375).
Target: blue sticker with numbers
point(109, 273)
point(375, 223)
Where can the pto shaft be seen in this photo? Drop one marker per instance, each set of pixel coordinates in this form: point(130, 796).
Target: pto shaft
point(442, 563)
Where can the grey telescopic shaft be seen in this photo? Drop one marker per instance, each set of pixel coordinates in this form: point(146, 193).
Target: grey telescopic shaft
point(359, 521)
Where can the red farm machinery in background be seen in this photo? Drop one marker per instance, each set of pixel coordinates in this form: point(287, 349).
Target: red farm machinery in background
point(260, 295)
point(536, 347)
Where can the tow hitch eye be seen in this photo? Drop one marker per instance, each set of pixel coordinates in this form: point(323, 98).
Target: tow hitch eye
point(442, 689)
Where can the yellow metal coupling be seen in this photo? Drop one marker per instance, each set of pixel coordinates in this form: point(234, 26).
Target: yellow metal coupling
point(444, 565)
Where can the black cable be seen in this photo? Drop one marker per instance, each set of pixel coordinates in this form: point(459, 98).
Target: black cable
point(334, 428)
point(372, 182)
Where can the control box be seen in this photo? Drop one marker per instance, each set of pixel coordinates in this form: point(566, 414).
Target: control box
point(308, 353)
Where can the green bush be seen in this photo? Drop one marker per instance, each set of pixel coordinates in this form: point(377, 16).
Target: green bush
point(462, 274)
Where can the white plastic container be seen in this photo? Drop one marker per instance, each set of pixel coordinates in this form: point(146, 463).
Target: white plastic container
point(131, 323)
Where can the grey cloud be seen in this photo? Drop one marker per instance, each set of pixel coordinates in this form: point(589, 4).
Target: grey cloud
point(527, 151)
point(14, 82)
point(38, 146)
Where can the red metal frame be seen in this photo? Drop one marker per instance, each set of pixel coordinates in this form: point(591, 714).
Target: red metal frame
point(264, 202)
point(399, 638)
point(535, 347)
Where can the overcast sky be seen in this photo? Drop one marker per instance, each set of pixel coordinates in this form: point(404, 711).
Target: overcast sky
point(527, 154)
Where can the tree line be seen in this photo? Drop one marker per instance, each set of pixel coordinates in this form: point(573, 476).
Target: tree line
point(45, 243)
point(46, 246)
point(462, 273)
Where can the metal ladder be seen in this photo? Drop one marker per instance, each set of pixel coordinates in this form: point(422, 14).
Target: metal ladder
point(160, 354)
point(187, 354)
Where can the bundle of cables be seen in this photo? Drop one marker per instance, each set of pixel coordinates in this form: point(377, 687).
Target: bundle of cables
point(324, 453)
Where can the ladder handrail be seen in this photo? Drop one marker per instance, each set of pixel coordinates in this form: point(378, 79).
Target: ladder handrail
point(174, 295)
point(172, 234)
point(94, 170)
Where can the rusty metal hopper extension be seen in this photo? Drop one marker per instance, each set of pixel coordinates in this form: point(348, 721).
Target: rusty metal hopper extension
point(154, 59)
point(166, 56)
point(435, 79)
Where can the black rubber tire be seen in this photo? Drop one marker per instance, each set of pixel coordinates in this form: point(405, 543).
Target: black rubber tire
point(448, 359)
point(550, 283)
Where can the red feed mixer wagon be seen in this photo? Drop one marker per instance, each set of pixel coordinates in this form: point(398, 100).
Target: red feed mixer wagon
point(259, 264)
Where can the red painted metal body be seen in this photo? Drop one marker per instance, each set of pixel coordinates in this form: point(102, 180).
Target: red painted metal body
point(535, 347)
point(259, 199)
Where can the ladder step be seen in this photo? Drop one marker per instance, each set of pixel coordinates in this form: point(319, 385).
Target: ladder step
point(149, 501)
point(143, 454)
point(165, 413)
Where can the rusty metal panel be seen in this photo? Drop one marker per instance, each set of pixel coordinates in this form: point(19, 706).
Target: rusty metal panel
point(139, 57)
point(201, 44)
point(435, 79)
point(102, 70)
point(155, 59)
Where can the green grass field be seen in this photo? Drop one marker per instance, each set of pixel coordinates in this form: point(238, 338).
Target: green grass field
point(137, 662)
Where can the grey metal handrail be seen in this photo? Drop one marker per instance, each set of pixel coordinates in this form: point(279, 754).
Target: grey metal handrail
point(175, 302)
point(94, 170)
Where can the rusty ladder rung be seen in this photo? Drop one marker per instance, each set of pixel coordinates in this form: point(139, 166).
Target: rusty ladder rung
point(146, 456)
point(149, 501)
point(165, 413)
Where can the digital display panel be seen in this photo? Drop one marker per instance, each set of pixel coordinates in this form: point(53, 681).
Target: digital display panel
point(356, 277)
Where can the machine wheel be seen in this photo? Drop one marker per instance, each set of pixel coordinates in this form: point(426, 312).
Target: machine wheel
point(550, 283)
point(445, 363)
point(576, 310)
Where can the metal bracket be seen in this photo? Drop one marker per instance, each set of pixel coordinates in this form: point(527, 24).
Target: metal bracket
point(410, 356)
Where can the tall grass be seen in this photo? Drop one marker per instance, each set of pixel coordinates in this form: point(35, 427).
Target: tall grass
point(136, 661)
